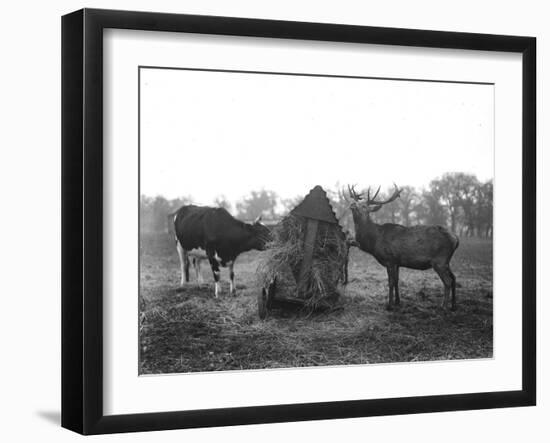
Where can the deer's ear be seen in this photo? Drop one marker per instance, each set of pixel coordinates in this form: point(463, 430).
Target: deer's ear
point(258, 219)
point(375, 208)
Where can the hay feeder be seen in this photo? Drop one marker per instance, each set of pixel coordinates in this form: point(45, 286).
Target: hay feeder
point(305, 262)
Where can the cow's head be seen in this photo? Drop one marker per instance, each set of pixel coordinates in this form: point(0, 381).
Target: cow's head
point(261, 234)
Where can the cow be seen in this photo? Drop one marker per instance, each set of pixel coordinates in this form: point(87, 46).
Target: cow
point(221, 236)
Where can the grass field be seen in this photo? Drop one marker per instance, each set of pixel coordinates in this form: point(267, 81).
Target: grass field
point(187, 329)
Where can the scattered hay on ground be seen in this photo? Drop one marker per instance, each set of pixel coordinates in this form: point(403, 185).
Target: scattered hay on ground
point(188, 330)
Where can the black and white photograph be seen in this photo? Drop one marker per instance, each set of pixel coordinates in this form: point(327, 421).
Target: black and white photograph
point(292, 220)
point(275, 221)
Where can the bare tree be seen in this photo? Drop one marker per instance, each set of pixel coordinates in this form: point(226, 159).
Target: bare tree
point(258, 203)
point(484, 209)
point(406, 204)
point(429, 210)
point(455, 191)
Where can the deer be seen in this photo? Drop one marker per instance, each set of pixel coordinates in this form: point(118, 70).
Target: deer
point(419, 247)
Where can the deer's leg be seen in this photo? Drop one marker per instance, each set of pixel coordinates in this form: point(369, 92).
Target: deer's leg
point(453, 290)
point(446, 277)
point(184, 263)
point(390, 284)
point(396, 283)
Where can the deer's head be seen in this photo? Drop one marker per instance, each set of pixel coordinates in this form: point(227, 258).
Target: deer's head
point(360, 205)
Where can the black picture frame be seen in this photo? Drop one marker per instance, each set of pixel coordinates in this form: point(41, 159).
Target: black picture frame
point(82, 220)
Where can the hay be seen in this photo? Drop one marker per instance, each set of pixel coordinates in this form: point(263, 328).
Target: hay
point(283, 258)
point(181, 327)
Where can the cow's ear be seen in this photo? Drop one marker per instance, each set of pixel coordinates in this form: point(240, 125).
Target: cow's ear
point(258, 219)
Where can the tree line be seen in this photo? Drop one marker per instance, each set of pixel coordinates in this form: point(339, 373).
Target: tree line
point(457, 200)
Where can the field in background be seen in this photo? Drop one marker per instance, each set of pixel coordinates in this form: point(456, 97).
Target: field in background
point(187, 329)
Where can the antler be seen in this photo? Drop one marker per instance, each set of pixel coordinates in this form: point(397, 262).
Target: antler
point(372, 201)
point(353, 194)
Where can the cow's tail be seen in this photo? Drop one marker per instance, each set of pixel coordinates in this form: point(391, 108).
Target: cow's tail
point(171, 218)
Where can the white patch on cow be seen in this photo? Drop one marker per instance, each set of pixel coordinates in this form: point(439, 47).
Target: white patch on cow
point(175, 217)
point(217, 257)
point(217, 289)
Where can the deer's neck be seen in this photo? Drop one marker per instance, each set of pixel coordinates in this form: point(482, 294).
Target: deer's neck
point(366, 232)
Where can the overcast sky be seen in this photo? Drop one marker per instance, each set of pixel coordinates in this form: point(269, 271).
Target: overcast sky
point(209, 133)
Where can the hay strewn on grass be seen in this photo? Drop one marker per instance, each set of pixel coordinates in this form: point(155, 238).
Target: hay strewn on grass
point(189, 330)
point(283, 258)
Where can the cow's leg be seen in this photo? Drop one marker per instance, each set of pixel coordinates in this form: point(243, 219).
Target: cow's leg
point(396, 283)
point(184, 263)
point(446, 277)
point(215, 270)
point(197, 266)
point(232, 287)
point(390, 284)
